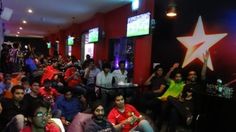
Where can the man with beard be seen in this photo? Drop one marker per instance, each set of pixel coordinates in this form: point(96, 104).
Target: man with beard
point(189, 104)
point(98, 122)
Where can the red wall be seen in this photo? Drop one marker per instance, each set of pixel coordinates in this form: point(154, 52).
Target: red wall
point(113, 24)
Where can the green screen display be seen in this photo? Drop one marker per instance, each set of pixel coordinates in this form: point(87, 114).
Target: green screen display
point(138, 25)
point(70, 41)
point(93, 35)
point(48, 45)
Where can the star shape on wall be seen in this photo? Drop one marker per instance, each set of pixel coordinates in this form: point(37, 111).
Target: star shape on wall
point(198, 44)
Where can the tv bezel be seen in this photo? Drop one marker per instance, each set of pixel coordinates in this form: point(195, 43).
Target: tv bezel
point(149, 31)
point(98, 35)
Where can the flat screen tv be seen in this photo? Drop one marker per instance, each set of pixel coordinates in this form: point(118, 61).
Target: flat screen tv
point(70, 40)
point(48, 45)
point(93, 35)
point(138, 25)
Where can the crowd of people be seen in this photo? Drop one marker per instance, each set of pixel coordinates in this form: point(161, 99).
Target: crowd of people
point(36, 90)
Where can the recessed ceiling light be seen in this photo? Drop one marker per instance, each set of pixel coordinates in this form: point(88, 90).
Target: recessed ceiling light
point(20, 28)
point(30, 11)
point(18, 32)
point(24, 21)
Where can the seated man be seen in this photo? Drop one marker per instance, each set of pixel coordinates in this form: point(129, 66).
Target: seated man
point(125, 117)
point(98, 121)
point(105, 77)
point(13, 110)
point(68, 105)
point(48, 92)
point(39, 118)
point(120, 74)
point(176, 84)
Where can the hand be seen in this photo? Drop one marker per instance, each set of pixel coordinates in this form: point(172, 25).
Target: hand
point(164, 99)
point(130, 120)
point(206, 56)
point(153, 75)
point(175, 65)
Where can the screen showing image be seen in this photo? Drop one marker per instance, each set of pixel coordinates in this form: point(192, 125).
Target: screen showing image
point(70, 40)
point(138, 25)
point(48, 45)
point(93, 35)
point(88, 50)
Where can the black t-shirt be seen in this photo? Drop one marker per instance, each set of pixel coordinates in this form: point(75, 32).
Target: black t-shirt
point(197, 89)
point(104, 126)
point(28, 101)
point(156, 82)
point(10, 109)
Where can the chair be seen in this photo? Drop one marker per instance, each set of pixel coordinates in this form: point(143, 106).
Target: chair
point(78, 123)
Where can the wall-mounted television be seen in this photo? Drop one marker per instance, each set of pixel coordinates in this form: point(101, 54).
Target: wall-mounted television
point(48, 45)
point(138, 25)
point(70, 40)
point(93, 35)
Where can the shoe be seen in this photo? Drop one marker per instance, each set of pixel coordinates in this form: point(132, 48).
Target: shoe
point(189, 120)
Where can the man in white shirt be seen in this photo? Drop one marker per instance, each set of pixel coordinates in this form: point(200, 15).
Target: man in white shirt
point(120, 74)
point(105, 77)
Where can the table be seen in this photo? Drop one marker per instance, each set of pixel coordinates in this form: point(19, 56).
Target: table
point(116, 88)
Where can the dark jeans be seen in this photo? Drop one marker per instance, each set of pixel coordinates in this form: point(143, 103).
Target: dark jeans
point(185, 109)
point(178, 112)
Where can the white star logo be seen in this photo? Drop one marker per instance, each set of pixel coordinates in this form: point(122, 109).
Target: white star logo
point(198, 44)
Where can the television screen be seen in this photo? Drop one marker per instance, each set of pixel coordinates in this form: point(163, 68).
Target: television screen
point(48, 45)
point(93, 35)
point(70, 40)
point(138, 25)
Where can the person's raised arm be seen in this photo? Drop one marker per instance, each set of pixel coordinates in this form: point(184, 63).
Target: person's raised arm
point(175, 65)
point(204, 67)
point(148, 81)
point(86, 72)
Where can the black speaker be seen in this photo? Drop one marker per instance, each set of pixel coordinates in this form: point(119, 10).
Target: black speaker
point(153, 24)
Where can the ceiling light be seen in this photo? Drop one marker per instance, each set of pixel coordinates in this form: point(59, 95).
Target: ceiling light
point(24, 21)
point(18, 32)
point(30, 11)
point(20, 28)
point(171, 10)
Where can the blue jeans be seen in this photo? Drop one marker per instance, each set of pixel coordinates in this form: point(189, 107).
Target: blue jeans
point(143, 126)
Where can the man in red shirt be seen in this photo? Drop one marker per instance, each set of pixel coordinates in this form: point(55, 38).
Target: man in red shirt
point(72, 77)
point(48, 93)
point(125, 117)
point(50, 72)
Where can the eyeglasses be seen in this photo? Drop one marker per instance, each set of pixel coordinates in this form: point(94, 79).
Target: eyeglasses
point(41, 114)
